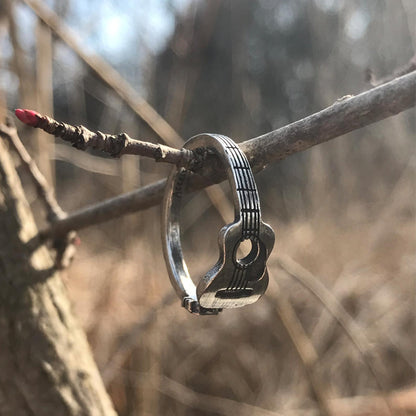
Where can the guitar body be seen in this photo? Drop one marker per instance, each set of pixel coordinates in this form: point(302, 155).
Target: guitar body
point(235, 282)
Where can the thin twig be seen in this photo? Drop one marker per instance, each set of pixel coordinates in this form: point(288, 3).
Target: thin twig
point(65, 243)
point(128, 203)
point(44, 91)
point(406, 69)
point(340, 118)
point(115, 145)
point(43, 189)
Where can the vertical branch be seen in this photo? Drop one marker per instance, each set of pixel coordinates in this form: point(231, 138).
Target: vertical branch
point(20, 67)
point(3, 31)
point(44, 80)
point(45, 192)
point(27, 97)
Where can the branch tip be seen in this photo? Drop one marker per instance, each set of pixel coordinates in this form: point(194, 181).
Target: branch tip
point(29, 117)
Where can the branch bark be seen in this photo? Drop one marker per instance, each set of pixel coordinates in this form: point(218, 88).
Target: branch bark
point(344, 116)
point(46, 364)
point(340, 118)
point(115, 145)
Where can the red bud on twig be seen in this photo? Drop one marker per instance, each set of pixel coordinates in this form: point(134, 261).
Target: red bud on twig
point(116, 145)
point(29, 117)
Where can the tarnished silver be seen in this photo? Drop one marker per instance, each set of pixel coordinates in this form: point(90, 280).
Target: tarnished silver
point(231, 282)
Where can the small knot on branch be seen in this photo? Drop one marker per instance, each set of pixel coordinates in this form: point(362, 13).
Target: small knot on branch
point(160, 153)
point(78, 136)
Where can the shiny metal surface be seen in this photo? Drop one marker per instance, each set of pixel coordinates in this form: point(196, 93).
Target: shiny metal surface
point(232, 282)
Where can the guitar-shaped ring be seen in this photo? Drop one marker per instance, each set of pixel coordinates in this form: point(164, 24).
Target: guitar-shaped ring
point(232, 282)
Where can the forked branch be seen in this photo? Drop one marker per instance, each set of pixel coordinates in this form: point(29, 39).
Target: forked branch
point(64, 243)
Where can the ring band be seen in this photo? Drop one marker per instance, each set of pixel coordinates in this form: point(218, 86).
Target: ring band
point(231, 282)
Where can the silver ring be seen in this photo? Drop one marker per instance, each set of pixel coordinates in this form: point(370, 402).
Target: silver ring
point(231, 282)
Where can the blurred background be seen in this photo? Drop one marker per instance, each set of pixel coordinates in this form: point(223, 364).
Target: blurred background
point(344, 211)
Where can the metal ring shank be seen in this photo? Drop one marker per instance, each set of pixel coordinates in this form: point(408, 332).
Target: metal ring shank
point(246, 203)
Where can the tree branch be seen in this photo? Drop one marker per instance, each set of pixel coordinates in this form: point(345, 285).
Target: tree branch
point(115, 145)
point(128, 203)
point(340, 118)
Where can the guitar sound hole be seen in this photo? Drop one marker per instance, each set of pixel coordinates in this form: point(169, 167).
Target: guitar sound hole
point(246, 251)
